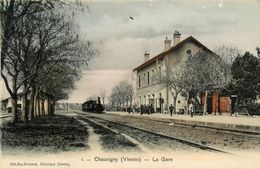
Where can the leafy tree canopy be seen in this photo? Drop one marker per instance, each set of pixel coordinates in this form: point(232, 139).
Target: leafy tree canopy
point(245, 72)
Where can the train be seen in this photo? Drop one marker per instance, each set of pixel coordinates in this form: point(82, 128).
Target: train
point(93, 106)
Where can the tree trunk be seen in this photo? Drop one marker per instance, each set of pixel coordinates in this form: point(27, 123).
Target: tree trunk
point(14, 101)
point(205, 102)
point(52, 108)
point(174, 103)
point(35, 105)
point(48, 106)
point(39, 105)
point(131, 102)
point(219, 108)
point(188, 104)
point(43, 107)
point(31, 104)
point(31, 107)
point(25, 108)
point(127, 104)
point(14, 109)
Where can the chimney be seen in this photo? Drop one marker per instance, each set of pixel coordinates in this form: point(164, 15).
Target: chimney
point(167, 44)
point(146, 56)
point(176, 37)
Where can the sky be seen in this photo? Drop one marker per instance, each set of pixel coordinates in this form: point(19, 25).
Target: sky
point(122, 41)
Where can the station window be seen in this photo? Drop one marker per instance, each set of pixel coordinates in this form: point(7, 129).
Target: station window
point(139, 81)
point(148, 78)
point(144, 80)
point(160, 73)
point(152, 76)
point(189, 52)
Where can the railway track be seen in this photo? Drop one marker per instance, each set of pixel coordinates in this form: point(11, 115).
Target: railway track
point(127, 136)
point(211, 128)
point(224, 130)
point(119, 126)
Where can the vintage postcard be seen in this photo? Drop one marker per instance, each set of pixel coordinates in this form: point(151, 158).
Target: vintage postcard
point(145, 84)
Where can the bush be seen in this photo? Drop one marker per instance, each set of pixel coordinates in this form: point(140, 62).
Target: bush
point(253, 109)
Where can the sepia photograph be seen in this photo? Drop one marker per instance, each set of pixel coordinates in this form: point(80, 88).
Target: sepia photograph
point(130, 84)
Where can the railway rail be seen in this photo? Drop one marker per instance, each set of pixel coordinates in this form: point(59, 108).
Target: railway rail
point(127, 136)
point(211, 128)
point(119, 125)
point(224, 130)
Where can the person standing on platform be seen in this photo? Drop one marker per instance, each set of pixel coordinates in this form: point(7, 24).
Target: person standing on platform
point(171, 109)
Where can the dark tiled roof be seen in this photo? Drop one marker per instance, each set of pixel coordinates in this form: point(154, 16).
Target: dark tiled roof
point(172, 49)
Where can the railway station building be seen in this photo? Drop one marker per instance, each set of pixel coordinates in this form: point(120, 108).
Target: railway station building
point(149, 91)
point(6, 104)
point(42, 103)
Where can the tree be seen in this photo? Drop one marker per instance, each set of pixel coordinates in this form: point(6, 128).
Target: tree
point(122, 95)
point(203, 71)
point(114, 98)
point(258, 51)
point(129, 93)
point(172, 78)
point(245, 71)
point(65, 56)
point(227, 53)
point(12, 12)
point(126, 93)
point(37, 40)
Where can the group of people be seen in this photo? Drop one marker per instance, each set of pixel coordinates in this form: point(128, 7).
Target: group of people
point(144, 109)
point(148, 109)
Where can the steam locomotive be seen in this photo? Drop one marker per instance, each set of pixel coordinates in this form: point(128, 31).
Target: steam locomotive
point(93, 106)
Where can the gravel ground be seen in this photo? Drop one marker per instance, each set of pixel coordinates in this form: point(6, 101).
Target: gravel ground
point(224, 141)
point(151, 141)
point(44, 134)
point(112, 141)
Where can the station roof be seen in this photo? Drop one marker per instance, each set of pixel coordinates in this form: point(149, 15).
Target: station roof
point(172, 49)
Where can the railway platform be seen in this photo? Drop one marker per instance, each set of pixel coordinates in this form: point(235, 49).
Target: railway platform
point(249, 124)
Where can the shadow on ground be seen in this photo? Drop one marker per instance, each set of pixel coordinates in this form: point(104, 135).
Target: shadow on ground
point(44, 134)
